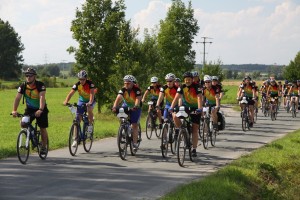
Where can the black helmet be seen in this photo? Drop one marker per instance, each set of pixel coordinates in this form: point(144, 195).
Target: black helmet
point(187, 74)
point(30, 71)
point(247, 77)
point(177, 80)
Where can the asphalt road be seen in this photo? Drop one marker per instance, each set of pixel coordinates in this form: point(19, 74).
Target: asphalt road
point(101, 174)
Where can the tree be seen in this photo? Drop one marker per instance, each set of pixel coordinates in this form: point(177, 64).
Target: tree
point(11, 48)
point(213, 69)
point(292, 71)
point(97, 29)
point(175, 39)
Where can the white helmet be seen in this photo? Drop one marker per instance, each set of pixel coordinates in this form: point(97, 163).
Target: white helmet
point(154, 79)
point(82, 74)
point(214, 78)
point(207, 78)
point(129, 78)
point(170, 77)
point(195, 73)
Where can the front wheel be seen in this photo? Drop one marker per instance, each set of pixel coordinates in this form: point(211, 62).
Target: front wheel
point(149, 127)
point(244, 121)
point(73, 139)
point(42, 154)
point(213, 138)
point(88, 139)
point(139, 135)
point(205, 134)
point(181, 148)
point(23, 147)
point(122, 142)
point(164, 140)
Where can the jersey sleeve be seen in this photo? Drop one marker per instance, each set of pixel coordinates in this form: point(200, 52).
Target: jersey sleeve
point(21, 88)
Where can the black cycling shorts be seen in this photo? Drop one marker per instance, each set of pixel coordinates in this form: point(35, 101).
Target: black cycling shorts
point(42, 121)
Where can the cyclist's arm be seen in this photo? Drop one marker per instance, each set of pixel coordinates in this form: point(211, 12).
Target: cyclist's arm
point(42, 95)
point(118, 100)
point(175, 100)
point(217, 100)
point(268, 90)
point(69, 96)
point(137, 101)
point(199, 101)
point(16, 103)
point(289, 93)
point(239, 93)
point(92, 95)
point(145, 95)
point(160, 98)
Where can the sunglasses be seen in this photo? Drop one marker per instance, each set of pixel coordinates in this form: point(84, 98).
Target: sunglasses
point(169, 81)
point(127, 83)
point(207, 82)
point(81, 79)
point(29, 75)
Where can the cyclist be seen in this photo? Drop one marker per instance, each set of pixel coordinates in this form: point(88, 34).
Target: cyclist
point(285, 90)
point(191, 96)
point(215, 82)
point(154, 90)
point(130, 94)
point(212, 95)
point(197, 80)
point(273, 90)
point(34, 93)
point(250, 93)
point(295, 91)
point(256, 94)
point(168, 93)
point(86, 90)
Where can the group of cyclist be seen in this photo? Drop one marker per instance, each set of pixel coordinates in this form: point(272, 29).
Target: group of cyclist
point(192, 93)
point(269, 89)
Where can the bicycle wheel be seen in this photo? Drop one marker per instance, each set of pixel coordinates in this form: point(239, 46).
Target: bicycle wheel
point(255, 115)
point(139, 135)
point(172, 141)
point(22, 147)
point(190, 146)
point(42, 155)
point(132, 149)
point(73, 139)
point(181, 147)
point(199, 130)
point(149, 129)
point(88, 139)
point(244, 121)
point(293, 110)
point(156, 130)
point(205, 133)
point(213, 138)
point(122, 142)
point(164, 140)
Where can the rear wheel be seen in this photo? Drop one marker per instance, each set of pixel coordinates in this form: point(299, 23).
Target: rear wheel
point(293, 110)
point(73, 139)
point(205, 134)
point(191, 147)
point(42, 154)
point(149, 126)
point(213, 138)
point(122, 143)
point(172, 141)
point(22, 147)
point(181, 148)
point(139, 135)
point(164, 140)
point(88, 139)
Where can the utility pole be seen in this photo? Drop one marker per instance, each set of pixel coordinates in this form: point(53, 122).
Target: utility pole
point(204, 43)
point(63, 73)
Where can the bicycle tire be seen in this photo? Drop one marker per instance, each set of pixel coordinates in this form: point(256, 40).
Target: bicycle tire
point(88, 139)
point(22, 148)
point(192, 159)
point(149, 129)
point(132, 150)
point(73, 136)
point(181, 148)
point(157, 132)
point(205, 134)
point(293, 110)
point(199, 130)
point(39, 138)
point(244, 121)
point(122, 142)
point(172, 140)
point(139, 135)
point(164, 140)
point(213, 138)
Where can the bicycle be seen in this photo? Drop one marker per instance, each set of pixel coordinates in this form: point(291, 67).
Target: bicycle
point(167, 136)
point(78, 135)
point(208, 133)
point(27, 135)
point(125, 134)
point(151, 121)
point(245, 114)
point(184, 140)
point(288, 103)
point(273, 108)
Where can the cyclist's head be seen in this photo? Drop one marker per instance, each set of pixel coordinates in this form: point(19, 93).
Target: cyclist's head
point(188, 78)
point(286, 81)
point(82, 74)
point(195, 74)
point(170, 77)
point(30, 71)
point(128, 81)
point(30, 74)
point(207, 80)
point(215, 78)
point(154, 79)
point(247, 78)
point(279, 82)
point(273, 82)
point(177, 80)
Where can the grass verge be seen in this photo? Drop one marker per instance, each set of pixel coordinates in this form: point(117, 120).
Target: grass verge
point(271, 172)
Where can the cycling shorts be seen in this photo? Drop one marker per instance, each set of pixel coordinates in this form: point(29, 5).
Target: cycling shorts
point(41, 121)
point(80, 110)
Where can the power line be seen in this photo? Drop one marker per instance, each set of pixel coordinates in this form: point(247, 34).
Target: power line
point(204, 43)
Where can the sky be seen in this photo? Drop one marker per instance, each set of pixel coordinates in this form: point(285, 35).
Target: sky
point(238, 31)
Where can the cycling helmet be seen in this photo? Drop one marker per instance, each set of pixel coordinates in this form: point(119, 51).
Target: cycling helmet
point(30, 71)
point(247, 77)
point(154, 79)
point(279, 82)
point(195, 73)
point(188, 74)
point(129, 78)
point(207, 78)
point(215, 78)
point(170, 77)
point(273, 81)
point(134, 79)
point(82, 74)
point(286, 81)
point(177, 80)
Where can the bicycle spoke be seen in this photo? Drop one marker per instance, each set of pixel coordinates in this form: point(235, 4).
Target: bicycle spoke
point(23, 147)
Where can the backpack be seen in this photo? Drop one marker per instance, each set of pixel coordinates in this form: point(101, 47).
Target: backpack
point(221, 120)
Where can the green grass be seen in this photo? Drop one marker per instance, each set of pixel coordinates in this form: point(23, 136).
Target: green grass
point(60, 119)
point(271, 172)
point(230, 94)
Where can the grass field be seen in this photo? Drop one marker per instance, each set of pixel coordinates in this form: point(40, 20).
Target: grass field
point(271, 172)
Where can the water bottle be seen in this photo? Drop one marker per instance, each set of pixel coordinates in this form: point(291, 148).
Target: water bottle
point(129, 131)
